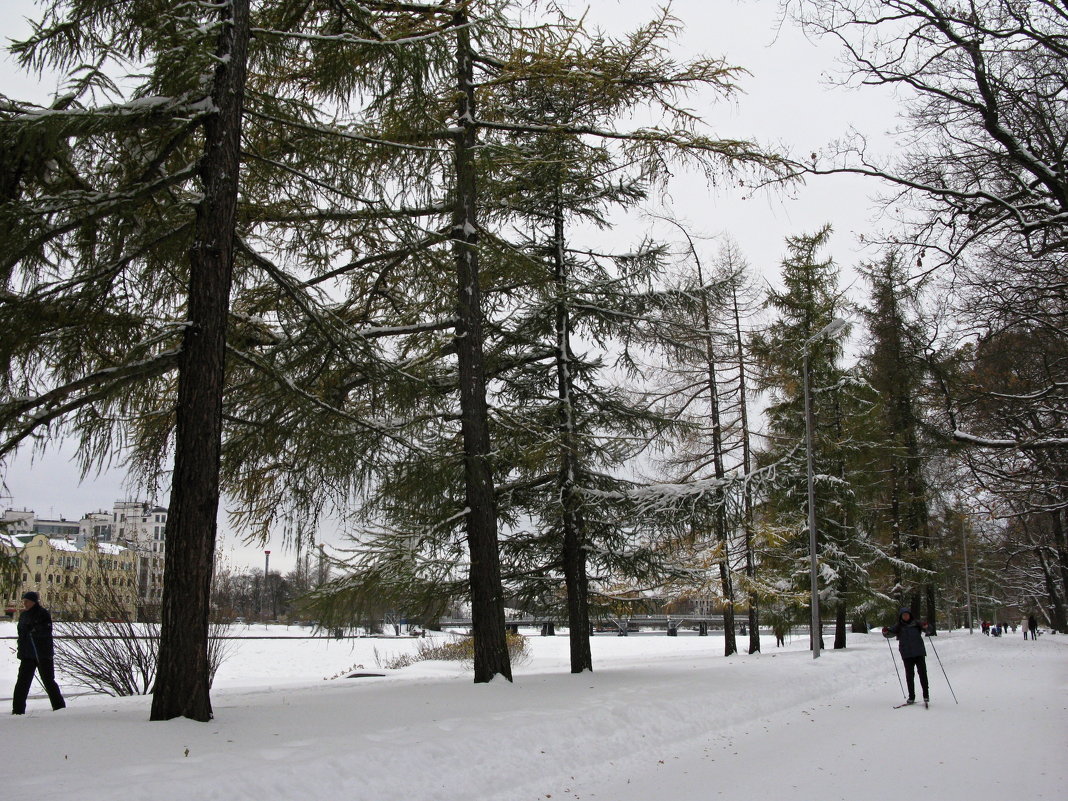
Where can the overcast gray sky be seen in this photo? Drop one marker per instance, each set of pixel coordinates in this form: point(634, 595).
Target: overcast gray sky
point(786, 101)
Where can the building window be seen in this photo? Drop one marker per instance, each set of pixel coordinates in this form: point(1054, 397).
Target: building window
point(40, 560)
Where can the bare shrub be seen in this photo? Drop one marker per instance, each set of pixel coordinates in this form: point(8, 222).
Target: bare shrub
point(110, 653)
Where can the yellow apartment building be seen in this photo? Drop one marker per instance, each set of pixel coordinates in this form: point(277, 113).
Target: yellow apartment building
point(96, 581)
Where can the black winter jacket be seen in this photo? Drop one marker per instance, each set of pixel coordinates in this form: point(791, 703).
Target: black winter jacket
point(909, 636)
point(35, 634)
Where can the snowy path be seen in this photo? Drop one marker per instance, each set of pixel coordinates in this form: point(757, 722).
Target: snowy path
point(662, 719)
point(1006, 740)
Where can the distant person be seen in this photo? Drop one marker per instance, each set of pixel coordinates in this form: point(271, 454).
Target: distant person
point(986, 628)
point(909, 635)
point(35, 653)
point(779, 629)
point(1032, 626)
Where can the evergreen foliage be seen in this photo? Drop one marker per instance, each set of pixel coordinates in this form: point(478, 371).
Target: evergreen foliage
point(810, 300)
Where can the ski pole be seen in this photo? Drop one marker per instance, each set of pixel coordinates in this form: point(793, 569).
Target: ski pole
point(943, 670)
point(898, 672)
point(37, 666)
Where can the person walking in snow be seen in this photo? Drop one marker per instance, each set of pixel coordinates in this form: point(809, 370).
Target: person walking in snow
point(1032, 626)
point(909, 635)
point(35, 653)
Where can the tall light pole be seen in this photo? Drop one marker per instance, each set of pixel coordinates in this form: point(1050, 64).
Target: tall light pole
point(266, 588)
point(832, 328)
point(967, 583)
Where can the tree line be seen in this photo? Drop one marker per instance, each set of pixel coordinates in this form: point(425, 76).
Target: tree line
point(333, 257)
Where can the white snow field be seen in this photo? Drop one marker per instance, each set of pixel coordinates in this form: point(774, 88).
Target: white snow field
point(660, 719)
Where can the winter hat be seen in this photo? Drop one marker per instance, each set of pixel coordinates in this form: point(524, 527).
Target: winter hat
point(31, 596)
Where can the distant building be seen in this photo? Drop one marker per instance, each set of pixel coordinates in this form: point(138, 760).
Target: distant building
point(137, 528)
point(10, 545)
point(96, 526)
point(94, 581)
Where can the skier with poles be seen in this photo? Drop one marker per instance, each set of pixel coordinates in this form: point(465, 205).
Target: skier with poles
point(35, 653)
point(909, 635)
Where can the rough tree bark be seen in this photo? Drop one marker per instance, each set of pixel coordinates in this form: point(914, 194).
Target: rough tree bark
point(574, 550)
point(487, 605)
point(183, 678)
point(747, 510)
point(730, 645)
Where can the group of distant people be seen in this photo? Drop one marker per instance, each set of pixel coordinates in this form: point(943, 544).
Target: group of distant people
point(1029, 626)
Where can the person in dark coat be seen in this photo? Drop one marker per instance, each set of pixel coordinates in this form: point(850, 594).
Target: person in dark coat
point(909, 635)
point(35, 653)
point(1032, 626)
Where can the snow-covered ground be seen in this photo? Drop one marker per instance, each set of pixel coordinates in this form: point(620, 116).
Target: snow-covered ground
point(660, 719)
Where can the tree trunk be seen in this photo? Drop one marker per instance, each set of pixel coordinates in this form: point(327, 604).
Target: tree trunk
point(1060, 546)
point(932, 619)
point(895, 528)
point(487, 604)
point(730, 644)
point(574, 550)
point(1058, 612)
point(747, 492)
point(578, 610)
point(182, 679)
point(846, 525)
point(840, 625)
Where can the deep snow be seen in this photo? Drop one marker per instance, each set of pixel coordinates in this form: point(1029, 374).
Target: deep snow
point(660, 718)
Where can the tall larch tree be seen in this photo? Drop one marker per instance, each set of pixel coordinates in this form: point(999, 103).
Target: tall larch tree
point(809, 300)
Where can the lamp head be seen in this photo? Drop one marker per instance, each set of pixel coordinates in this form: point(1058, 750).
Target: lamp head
point(833, 327)
point(829, 330)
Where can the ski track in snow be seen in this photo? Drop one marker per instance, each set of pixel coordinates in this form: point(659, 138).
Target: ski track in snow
point(659, 718)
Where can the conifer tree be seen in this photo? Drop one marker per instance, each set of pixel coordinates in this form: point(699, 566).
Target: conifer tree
point(705, 378)
point(595, 300)
point(109, 194)
point(543, 90)
point(79, 209)
point(808, 301)
point(893, 368)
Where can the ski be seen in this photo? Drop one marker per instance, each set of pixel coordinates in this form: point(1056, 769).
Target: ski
point(907, 703)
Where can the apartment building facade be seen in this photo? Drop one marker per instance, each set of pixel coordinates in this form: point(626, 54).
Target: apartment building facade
point(103, 551)
point(97, 580)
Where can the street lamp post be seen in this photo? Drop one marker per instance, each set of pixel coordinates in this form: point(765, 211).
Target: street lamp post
point(967, 584)
point(832, 328)
point(266, 588)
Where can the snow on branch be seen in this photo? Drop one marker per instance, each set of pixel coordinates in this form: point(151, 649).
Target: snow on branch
point(1018, 444)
